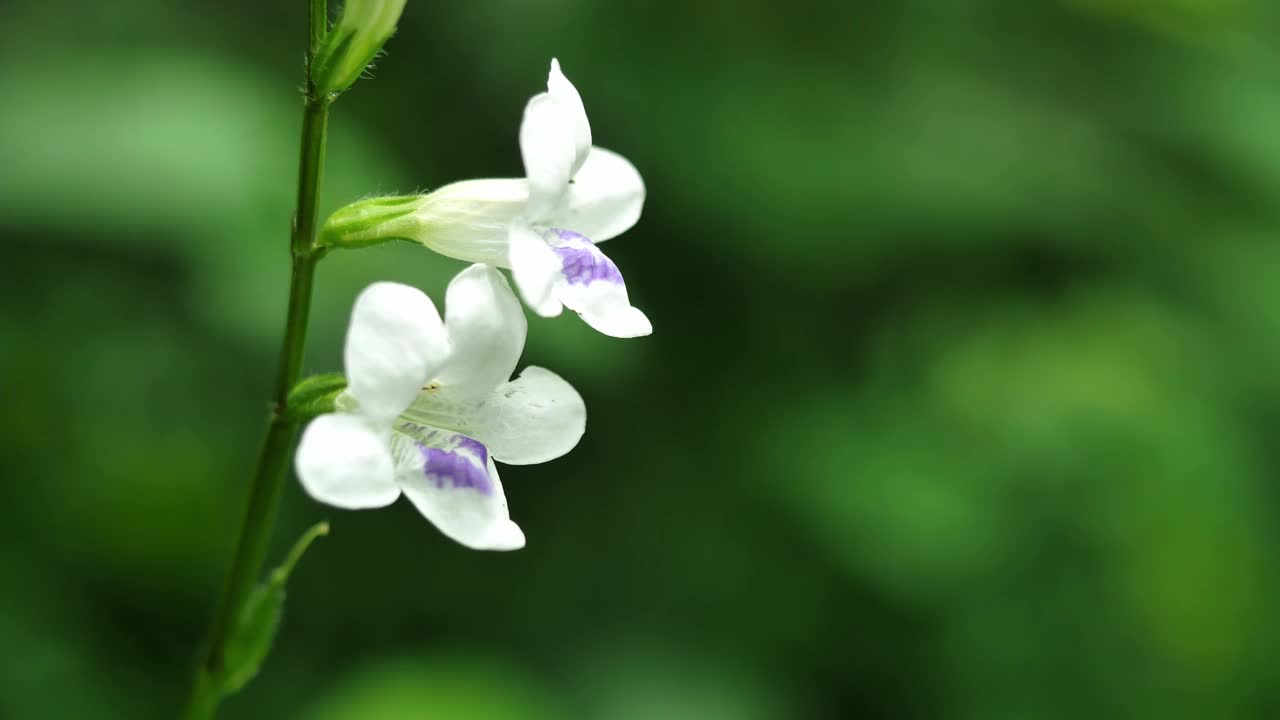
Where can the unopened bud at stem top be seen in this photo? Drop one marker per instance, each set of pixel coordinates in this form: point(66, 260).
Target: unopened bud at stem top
point(361, 31)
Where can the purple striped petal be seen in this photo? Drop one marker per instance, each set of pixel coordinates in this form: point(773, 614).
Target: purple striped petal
point(590, 284)
point(581, 261)
point(451, 460)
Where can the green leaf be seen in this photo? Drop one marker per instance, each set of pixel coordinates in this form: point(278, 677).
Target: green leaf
point(315, 395)
point(259, 619)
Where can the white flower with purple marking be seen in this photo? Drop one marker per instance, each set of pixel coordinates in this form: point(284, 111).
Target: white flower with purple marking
point(544, 227)
point(578, 195)
point(430, 406)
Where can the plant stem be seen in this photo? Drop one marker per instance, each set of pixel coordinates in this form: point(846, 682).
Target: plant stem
point(317, 26)
point(268, 479)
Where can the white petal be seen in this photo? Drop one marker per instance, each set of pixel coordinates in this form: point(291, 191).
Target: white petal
point(547, 146)
point(486, 328)
point(469, 220)
point(536, 268)
point(605, 198)
point(590, 284)
point(564, 93)
point(453, 482)
point(395, 342)
point(532, 419)
point(343, 462)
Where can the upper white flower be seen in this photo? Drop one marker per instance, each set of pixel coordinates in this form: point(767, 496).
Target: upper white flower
point(546, 226)
point(553, 258)
point(429, 407)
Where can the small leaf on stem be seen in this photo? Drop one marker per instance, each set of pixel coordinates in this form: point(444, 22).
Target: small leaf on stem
point(259, 619)
point(315, 395)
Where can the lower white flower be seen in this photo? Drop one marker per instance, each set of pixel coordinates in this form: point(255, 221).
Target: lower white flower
point(430, 407)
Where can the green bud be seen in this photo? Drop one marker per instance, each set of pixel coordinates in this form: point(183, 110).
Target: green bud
point(372, 222)
point(259, 619)
point(315, 395)
point(365, 25)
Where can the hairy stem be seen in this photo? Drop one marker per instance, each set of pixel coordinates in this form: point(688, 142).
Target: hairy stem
point(269, 477)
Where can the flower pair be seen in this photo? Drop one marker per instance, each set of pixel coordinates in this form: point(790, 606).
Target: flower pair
point(430, 404)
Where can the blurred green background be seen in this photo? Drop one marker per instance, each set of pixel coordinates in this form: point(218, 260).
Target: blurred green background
point(961, 403)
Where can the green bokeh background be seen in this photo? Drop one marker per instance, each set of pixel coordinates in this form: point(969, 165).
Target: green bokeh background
point(962, 398)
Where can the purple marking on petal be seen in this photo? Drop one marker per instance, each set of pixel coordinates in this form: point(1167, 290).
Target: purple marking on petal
point(581, 261)
point(465, 466)
point(474, 447)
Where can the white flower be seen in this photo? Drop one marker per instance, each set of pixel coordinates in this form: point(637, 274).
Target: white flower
point(552, 258)
point(430, 406)
point(545, 227)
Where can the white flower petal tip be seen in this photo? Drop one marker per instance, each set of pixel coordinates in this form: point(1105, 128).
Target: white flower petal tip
point(396, 340)
point(626, 322)
point(505, 538)
point(574, 113)
point(342, 462)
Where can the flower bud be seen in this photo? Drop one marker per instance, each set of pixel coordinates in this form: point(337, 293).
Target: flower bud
point(365, 25)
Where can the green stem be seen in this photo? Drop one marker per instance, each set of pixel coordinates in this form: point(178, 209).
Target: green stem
point(269, 477)
point(317, 25)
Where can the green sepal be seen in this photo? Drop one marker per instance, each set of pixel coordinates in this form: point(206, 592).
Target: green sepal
point(315, 395)
point(361, 31)
point(259, 620)
point(371, 221)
